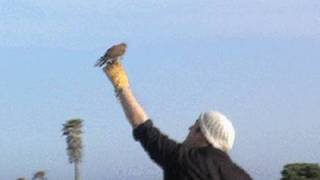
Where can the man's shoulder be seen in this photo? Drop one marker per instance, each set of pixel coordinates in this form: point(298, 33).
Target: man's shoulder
point(227, 167)
point(232, 171)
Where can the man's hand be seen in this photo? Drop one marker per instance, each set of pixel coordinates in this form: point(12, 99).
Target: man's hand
point(117, 75)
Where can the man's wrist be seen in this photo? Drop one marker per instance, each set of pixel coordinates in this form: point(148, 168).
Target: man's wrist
point(122, 91)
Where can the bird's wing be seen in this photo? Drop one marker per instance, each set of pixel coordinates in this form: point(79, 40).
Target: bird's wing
point(109, 51)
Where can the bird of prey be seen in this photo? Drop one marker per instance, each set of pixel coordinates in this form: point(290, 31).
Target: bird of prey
point(112, 54)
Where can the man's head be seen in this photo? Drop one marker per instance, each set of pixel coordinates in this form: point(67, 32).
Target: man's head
point(211, 128)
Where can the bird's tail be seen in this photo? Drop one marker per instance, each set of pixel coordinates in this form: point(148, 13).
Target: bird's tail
point(100, 62)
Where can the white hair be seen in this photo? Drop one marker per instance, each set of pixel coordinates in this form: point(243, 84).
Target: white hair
point(217, 129)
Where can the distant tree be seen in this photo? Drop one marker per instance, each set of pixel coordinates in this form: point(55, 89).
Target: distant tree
point(301, 171)
point(21, 178)
point(40, 175)
point(72, 131)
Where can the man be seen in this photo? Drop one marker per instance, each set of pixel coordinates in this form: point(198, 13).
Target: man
point(203, 154)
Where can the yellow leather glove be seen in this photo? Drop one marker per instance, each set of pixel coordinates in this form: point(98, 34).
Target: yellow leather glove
point(117, 75)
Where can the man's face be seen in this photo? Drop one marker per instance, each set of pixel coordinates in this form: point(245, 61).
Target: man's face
point(195, 137)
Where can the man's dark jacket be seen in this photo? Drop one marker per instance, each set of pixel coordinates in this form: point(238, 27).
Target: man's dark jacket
point(180, 162)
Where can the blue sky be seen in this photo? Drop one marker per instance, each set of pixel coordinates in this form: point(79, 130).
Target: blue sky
point(256, 61)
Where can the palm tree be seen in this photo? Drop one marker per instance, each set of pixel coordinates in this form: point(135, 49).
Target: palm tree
point(72, 131)
point(40, 175)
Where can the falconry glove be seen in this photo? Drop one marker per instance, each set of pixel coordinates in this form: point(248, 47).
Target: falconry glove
point(117, 75)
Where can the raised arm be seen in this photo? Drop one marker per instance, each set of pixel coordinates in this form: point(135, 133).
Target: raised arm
point(131, 107)
point(161, 149)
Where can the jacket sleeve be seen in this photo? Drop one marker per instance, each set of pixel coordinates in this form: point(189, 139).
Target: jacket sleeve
point(160, 148)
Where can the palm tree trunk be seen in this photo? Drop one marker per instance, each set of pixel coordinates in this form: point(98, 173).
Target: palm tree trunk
point(77, 175)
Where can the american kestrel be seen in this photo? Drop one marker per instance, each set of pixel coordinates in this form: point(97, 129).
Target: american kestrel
point(112, 54)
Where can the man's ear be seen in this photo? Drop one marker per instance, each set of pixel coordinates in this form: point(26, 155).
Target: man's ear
point(198, 130)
